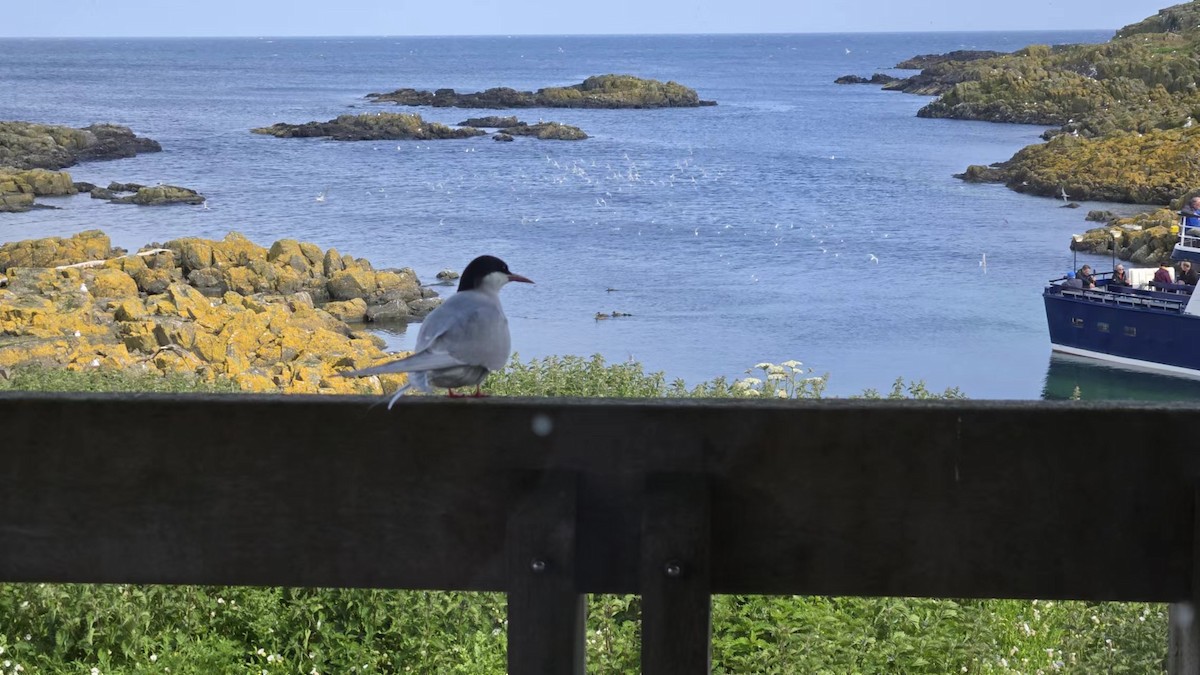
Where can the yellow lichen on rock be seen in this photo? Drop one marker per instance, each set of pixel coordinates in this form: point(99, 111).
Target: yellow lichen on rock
point(111, 283)
point(264, 325)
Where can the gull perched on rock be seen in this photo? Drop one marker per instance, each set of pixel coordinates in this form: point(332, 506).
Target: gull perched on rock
point(462, 340)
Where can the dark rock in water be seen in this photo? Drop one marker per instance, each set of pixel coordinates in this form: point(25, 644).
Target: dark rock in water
point(1101, 216)
point(491, 122)
point(502, 137)
point(115, 142)
point(370, 127)
point(421, 308)
point(392, 310)
point(923, 61)
point(877, 78)
point(977, 173)
point(125, 187)
point(25, 145)
point(599, 91)
point(102, 193)
point(81, 186)
point(548, 131)
point(1072, 205)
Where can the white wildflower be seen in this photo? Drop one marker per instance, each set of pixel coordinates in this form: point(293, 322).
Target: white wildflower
point(153, 658)
point(776, 370)
point(763, 366)
point(775, 377)
point(781, 393)
point(220, 601)
point(793, 364)
point(751, 393)
point(95, 671)
point(751, 382)
point(261, 652)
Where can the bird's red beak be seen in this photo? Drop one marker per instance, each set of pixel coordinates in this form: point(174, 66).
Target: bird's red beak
point(518, 277)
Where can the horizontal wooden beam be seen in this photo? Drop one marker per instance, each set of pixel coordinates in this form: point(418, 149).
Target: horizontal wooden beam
point(949, 499)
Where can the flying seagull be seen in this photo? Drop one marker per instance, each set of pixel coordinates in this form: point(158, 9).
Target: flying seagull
point(462, 340)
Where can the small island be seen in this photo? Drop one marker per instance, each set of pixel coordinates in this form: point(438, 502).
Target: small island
point(370, 127)
point(1124, 111)
point(31, 156)
point(411, 127)
point(599, 91)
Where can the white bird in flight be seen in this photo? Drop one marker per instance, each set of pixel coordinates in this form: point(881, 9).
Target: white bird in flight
point(462, 340)
point(874, 259)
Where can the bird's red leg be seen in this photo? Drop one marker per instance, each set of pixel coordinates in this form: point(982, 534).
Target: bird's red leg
point(478, 394)
point(451, 394)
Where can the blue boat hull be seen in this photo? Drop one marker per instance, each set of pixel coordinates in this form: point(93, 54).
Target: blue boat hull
point(1100, 326)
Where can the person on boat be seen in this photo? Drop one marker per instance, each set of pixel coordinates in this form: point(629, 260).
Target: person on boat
point(1119, 277)
point(1087, 277)
point(1186, 274)
point(1191, 216)
point(1163, 274)
point(1072, 281)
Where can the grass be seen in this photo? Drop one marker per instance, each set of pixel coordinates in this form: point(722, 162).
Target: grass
point(127, 629)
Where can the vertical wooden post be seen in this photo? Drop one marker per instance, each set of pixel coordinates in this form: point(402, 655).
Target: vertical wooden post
point(675, 576)
point(1183, 625)
point(546, 614)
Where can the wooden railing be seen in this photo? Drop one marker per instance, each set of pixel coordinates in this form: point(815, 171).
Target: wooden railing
point(548, 500)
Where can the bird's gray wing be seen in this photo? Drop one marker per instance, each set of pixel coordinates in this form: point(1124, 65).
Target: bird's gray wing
point(479, 336)
point(468, 329)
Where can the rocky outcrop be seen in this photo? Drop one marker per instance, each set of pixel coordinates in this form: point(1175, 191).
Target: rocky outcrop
point(922, 61)
point(1146, 239)
point(511, 126)
point(877, 78)
point(56, 251)
point(547, 131)
point(1153, 168)
point(600, 91)
point(25, 145)
point(491, 122)
point(160, 195)
point(228, 310)
point(18, 188)
point(370, 127)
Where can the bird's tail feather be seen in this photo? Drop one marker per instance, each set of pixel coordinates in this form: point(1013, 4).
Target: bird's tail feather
point(416, 362)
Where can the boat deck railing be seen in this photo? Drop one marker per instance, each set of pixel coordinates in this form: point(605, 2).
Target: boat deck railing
point(1126, 297)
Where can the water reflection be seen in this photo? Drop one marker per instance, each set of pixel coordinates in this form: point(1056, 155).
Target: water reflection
point(395, 334)
point(1099, 381)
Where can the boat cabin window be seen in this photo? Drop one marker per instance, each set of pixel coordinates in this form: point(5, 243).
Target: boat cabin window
point(1130, 331)
point(1101, 326)
point(1078, 323)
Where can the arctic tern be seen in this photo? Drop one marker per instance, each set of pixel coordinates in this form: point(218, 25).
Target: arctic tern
point(462, 340)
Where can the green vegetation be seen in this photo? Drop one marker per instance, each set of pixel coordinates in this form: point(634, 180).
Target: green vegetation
point(191, 630)
point(36, 378)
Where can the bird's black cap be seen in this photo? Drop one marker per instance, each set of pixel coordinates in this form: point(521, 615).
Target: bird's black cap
point(479, 268)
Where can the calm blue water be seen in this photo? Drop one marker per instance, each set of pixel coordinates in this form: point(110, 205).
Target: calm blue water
point(734, 234)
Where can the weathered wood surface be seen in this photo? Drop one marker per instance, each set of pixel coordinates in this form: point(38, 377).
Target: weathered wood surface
point(950, 499)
